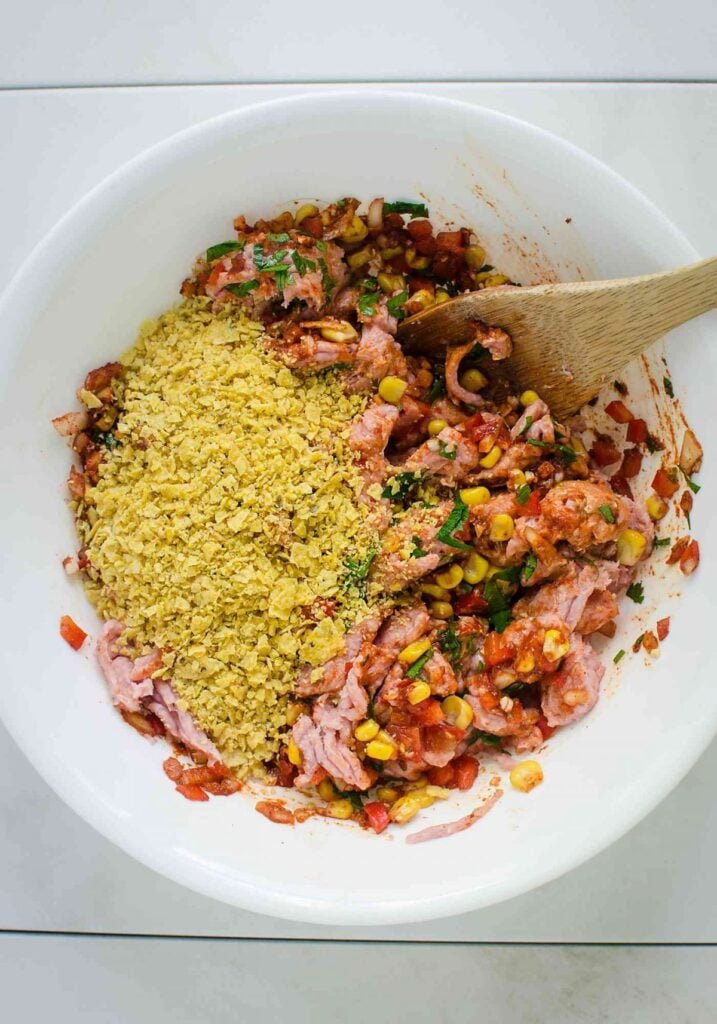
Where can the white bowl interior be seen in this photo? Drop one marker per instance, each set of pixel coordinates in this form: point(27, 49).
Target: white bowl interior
point(117, 259)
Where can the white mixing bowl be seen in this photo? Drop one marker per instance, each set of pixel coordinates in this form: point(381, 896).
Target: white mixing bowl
point(117, 258)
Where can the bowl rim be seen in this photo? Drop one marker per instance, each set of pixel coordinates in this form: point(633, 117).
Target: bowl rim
point(166, 860)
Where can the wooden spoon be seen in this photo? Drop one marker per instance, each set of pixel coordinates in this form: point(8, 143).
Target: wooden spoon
point(569, 339)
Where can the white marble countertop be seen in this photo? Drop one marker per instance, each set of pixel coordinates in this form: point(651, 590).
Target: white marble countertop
point(656, 885)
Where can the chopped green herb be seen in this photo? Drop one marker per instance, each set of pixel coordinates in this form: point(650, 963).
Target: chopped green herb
point(662, 542)
point(568, 455)
point(281, 276)
point(636, 592)
point(417, 667)
point(109, 440)
point(654, 444)
point(281, 237)
point(620, 387)
point(322, 246)
point(476, 353)
point(301, 263)
point(357, 571)
point(509, 575)
point(456, 520)
point(485, 737)
point(242, 289)
point(486, 268)
point(326, 278)
point(446, 452)
point(527, 425)
point(352, 796)
point(619, 656)
point(695, 488)
point(437, 388)
point(395, 305)
point(214, 252)
point(367, 303)
point(607, 513)
point(514, 690)
point(638, 643)
point(405, 206)
point(522, 494)
point(668, 386)
point(498, 608)
point(418, 551)
point(450, 644)
point(531, 564)
point(399, 488)
point(270, 262)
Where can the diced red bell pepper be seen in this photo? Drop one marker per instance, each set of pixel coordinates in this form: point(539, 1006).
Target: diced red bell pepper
point(377, 815)
point(443, 776)
point(71, 633)
point(313, 226)
point(690, 558)
point(496, 650)
point(285, 772)
point(663, 628)
point(637, 431)
point(631, 463)
point(547, 730)
point(428, 712)
point(666, 482)
point(470, 604)
point(677, 551)
point(604, 452)
point(466, 769)
point(620, 485)
point(192, 792)
point(532, 505)
point(619, 412)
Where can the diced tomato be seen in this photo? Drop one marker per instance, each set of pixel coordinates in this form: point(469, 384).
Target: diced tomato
point(285, 772)
point(631, 463)
point(619, 412)
point(444, 776)
point(393, 220)
point(416, 283)
point(426, 246)
point(690, 558)
point(441, 739)
point(489, 699)
point(377, 815)
point(666, 482)
point(450, 241)
point(397, 264)
point(313, 226)
point(678, 549)
point(71, 633)
point(532, 505)
point(428, 712)
point(192, 792)
point(408, 738)
point(604, 451)
point(663, 628)
point(620, 485)
point(686, 502)
point(419, 229)
point(547, 730)
point(470, 604)
point(466, 769)
point(446, 265)
point(637, 431)
point(496, 650)
point(649, 641)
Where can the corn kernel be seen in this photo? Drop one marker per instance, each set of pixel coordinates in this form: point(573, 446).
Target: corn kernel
point(342, 809)
point(475, 569)
point(391, 251)
point(489, 460)
point(656, 508)
point(387, 794)
point(326, 789)
point(366, 730)
point(441, 610)
point(475, 256)
point(307, 210)
point(422, 299)
point(474, 495)
point(355, 232)
point(293, 712)
point(382, 748)
point(389, 283)
point(493, 280)
point(435, 591)
point(342, 331)
point(525, 664)
point(408, 806)
point(450, 578)
point(436, 426)
point(473, 380)
point(528, 397)
point(502, 527)
point(392, 389)
point(438, 792)
point(418, 693)
point(491, 571)
point(517, 479)
point(293, 753)
point(441, 296)
point(630, 547)
point(554, 647)
point(457, 711)
point(420, 782)
point(577, 445)
point(415, 261)
point(526, 776)
point(414, 651)
point(88, 399)
point(359, 258)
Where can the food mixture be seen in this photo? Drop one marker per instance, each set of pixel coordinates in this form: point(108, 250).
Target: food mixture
point(335, 566)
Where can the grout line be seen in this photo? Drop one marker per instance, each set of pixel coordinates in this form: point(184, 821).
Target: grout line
point(68, 934)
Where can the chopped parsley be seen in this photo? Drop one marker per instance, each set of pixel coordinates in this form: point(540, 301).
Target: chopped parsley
point(418, 551)
point(242, 289)
point(450, 644)
point(437, 388)
point(445, 452)
point(456, 521)
point(301, 263)
point(214, 252)
point(531, 564)
point(636, 592)
point(498, 607)
point(322, 246)
point(509, 575)
point(399, 488)
point(485, 737)
point(695, 488)
point(281, 276)
point(417, 667)
point(272, 261)
point(367, 303)
point(567, 454)
point(326, 278)
point(395, 305)
point(654, 444)
point(353, 798)
point(662, 542)
point(607, 513)
point(619, 656)
point(523, 494)
point(108, 439)
point(405, 206)
point(668, 386)
point(357, 570)
point(281, 237)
